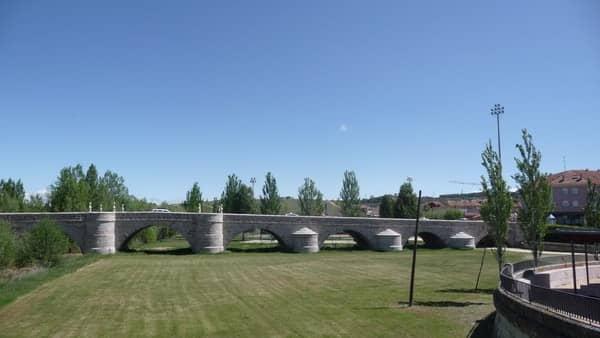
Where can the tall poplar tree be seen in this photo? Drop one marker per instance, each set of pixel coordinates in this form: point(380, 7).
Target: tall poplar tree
point(310, 198)
point(193, 198)
point(406, 203)
point(386, 208)
point(535, 195)
point(495, 210)
point(270, 201)
point(350, 195)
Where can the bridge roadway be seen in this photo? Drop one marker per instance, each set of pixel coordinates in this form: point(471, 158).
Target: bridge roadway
point(108, 232)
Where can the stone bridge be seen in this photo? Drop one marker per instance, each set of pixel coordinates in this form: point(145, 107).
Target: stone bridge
point(107, 232)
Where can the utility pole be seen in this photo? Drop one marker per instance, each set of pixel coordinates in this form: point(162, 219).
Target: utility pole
point(498, 110)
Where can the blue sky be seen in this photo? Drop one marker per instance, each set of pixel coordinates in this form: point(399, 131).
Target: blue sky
point(168, 93)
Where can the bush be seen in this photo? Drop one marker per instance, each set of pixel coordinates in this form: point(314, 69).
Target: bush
point(452, 214)
point(44, 244)
point(8, 243)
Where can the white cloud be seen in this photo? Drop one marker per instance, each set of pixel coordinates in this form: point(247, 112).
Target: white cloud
point(343, 128)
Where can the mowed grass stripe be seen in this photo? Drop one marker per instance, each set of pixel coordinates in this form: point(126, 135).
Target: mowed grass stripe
point(258, 294)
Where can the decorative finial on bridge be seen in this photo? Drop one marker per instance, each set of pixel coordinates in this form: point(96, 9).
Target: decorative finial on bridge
point(114, 206)
point(100, 207)
point(220, 208)
point(90, 207)
point(200, 207)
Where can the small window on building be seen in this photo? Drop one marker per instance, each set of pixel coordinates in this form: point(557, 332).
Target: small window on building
point(575, 203)
point(565, 191)
point(565, 203)
point(574, 191)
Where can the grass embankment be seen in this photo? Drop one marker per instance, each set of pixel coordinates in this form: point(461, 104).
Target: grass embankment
point(15, 286)
point(334, 293)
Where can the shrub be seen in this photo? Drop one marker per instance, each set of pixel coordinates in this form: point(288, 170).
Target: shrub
point(45, 243)
point(7, 245)
point(452, 214)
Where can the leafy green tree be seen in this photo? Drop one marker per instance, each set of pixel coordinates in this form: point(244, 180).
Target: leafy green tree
point(193, 199)
point(495, 210)
point(406, 203)
point(8, 247)
point(35, 203)
point(215, 205)
point(237, 197)
point(270, 201)
point(386, 207)
point(535, 195)
point(310, 198)
point(350, 195)
point(112, 189)
point(12, 196)
point(70, 192)
point(244, 200)
point(93, 182)
point(46, 243)
point(592, 205)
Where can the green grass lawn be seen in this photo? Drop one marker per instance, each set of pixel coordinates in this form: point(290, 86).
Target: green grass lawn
point(263, 294)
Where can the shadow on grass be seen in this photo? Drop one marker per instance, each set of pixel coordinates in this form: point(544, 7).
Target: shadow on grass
point(482, 291)
point(483, 328)
point(443, 303)
point(173, 252)
point(342, 248)
point(255, 249)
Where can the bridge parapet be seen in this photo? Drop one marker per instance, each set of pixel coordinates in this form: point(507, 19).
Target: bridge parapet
point(107, 232)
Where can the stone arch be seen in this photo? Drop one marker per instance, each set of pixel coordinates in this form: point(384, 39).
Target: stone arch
point(247, 228)
point(430, 240)
point(487, 241)
point(361, 240)
point(123, 239)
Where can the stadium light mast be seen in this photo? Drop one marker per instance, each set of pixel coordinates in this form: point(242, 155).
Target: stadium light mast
point(498, 110)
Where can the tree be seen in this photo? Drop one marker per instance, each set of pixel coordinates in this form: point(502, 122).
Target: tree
point(70, 192)
point(46, 243)
point(350, 195)
point(535, 195)
point(7, 245)
point(91, 179)
point(386, 207)
point(495, 210)
point(12, 196)
point(270, 201)
point(193, 199)
point(310, 198)
point(215, 205)
point(237, 197)
point(592, 205)
point(406, 203)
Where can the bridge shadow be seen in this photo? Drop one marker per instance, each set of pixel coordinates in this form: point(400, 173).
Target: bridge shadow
point(483, 328)
point(443, 303)
point(480, 291)
point(258, 249)
point(173, 252)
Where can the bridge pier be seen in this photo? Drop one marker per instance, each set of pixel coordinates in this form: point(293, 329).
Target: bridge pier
point(100, 233)
point(208, 234)
point(305, 241)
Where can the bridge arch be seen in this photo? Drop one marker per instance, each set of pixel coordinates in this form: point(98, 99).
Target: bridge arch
point(278, 235)
point(361, 241)
point(128, 233)
point(430, 240)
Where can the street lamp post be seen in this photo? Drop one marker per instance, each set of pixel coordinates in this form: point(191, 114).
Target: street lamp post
point(498, 110)
point(253, 180)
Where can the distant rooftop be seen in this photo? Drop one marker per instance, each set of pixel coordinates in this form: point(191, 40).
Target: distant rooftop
point(575, 177)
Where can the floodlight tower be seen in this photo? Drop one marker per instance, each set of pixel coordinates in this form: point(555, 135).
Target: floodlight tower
point(498, 110)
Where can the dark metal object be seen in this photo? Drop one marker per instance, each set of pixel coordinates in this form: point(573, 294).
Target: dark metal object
point(587, 269)
point(573, 266)
point(414, 257)
point(480, 268)
point(497, 110)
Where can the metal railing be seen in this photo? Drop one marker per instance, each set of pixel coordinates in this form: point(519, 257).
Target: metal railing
point(572, 305)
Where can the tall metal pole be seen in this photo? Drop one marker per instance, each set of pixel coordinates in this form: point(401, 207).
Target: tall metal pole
point(498, 110)
point(573, 267)
point(414, 257)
